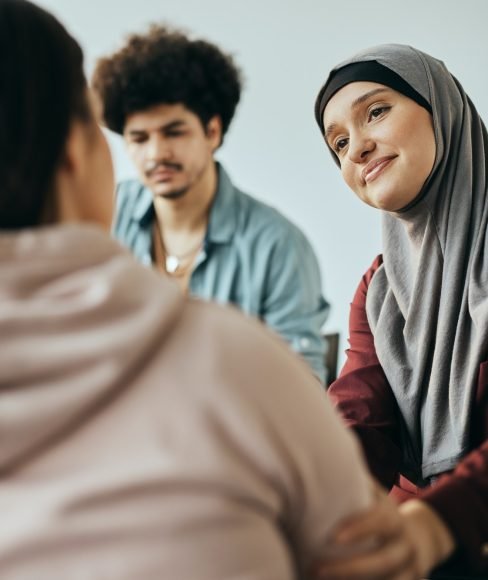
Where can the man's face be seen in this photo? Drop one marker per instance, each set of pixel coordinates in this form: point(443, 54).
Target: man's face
point(170, 148)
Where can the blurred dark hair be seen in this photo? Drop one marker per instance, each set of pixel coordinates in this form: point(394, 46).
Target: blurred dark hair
point(42, 89)
point(164, 66)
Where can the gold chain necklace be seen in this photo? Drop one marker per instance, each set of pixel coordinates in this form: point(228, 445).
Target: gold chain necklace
point(173, 263)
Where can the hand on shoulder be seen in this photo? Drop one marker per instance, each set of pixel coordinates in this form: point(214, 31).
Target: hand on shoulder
point(389, 541)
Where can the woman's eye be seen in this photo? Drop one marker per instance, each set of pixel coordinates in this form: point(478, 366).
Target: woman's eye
point(376, 112)
point(340, 144)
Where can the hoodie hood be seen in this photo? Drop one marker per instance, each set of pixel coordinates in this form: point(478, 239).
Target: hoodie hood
point(78, 317)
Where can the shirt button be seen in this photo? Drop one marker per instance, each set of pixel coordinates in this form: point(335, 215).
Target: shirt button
point(304, 343)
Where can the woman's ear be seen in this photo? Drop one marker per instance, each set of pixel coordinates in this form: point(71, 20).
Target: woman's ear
point(72, 162)
point(84, 180)
point(71, 173)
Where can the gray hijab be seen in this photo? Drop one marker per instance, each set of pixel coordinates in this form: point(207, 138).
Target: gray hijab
point(427, 304)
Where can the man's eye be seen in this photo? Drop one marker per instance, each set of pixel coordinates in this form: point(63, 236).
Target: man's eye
point(174, 133)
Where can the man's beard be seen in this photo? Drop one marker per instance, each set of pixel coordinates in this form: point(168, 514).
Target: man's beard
point(176, 193)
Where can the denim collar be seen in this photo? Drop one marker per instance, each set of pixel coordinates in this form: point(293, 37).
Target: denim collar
point(223, 214)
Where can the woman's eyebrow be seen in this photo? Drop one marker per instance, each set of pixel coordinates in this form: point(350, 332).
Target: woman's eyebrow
point(330, 129)
point(359, 101)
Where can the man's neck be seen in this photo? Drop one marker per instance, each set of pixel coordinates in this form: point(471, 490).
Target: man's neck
point(188, 213)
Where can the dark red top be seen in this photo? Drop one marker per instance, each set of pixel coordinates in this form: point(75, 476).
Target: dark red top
point(365, 400)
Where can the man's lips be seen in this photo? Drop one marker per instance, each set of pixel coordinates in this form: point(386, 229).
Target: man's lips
point(162, 173)
point(375, 167)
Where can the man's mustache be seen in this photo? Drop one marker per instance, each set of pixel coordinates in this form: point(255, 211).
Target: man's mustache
point(162, 165)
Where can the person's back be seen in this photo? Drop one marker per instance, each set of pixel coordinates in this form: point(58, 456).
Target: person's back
point(145, 435)
point(142, 435)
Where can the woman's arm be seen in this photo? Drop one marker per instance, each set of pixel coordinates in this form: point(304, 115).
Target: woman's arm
point(461, 500)
point(363, 396)
point(405, 543)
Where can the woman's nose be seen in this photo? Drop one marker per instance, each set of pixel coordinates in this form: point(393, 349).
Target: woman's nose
point(360, 146)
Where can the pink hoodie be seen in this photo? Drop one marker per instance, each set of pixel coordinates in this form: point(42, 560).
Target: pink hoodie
point(145, 436)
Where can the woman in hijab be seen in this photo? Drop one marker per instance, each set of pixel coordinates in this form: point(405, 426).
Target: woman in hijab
point(408, 141)
point(142, 435)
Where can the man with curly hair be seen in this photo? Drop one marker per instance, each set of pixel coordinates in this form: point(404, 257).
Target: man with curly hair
point(172, 99)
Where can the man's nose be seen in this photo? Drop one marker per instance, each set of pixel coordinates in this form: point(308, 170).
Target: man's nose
point(158, 149)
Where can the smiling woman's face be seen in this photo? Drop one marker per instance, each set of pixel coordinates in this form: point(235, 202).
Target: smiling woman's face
point(384, 142)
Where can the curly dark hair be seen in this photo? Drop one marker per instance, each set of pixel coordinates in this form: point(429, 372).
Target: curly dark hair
point(166, 66)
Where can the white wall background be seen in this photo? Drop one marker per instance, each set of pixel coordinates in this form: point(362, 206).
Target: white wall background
point(286, 48)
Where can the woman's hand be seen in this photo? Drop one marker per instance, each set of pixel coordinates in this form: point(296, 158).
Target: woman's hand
point(431, 537)
point(389, 542)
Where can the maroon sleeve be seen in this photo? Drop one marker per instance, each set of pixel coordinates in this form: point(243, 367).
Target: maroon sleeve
point(363, 396)
point(461, 499)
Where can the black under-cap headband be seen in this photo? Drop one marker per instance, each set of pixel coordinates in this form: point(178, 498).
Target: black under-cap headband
point(370, 71)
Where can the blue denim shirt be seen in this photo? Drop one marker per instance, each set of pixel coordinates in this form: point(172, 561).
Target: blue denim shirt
point(252, 257)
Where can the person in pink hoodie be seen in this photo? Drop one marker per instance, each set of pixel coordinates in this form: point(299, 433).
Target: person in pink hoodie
point(143, 435)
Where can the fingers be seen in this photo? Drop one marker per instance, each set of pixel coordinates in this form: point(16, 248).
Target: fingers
point(394, 560)
point(380, 522)
point(378, 547)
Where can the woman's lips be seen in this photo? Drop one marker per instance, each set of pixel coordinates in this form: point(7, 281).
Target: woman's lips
point(374, 168)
